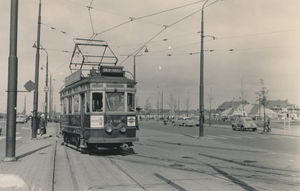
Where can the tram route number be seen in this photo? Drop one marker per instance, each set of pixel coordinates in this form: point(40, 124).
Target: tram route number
point(115, 121)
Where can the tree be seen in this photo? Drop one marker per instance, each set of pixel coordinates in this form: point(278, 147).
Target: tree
point(187, 103)
point(262, 97)
point(210, 101)
point(172, 103)
point(243, 96)
point(148, 106)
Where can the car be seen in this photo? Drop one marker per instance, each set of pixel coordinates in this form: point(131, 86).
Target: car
point(21, 119)
point(244, 123)
point(196, 119)
point(56, 119)
point(183, 121)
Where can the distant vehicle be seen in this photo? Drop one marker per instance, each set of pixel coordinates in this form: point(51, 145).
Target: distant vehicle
point(196, 119)
point(21, 119)
point(244, 123)
point(56, 119)
point(183, 121)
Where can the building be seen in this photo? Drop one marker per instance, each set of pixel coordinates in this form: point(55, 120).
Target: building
point(231, 104)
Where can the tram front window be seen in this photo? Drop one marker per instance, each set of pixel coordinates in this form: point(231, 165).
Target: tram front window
point(97, 102)
point(130, 100)
point(115, 101)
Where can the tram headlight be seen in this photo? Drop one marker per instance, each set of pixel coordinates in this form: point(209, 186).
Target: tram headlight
point(122, 128)
point(108, 128)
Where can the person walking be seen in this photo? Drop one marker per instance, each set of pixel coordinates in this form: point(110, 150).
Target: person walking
point(42, 125)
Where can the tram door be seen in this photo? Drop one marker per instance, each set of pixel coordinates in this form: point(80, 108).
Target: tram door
point(82, 110)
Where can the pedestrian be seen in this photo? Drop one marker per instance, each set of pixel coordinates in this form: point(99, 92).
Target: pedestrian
point(269, 124)
point(42, 125)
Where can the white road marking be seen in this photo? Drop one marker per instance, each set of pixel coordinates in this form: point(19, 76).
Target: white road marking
point(217, 137)
point(231, 137)
point(17, 138)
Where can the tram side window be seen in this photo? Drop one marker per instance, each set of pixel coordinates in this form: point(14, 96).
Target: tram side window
point(70, 104)
point(97, 101)
point(64, 105)
point(88, 102)
point(76, 103)
point(130, 102)
point(115, 101)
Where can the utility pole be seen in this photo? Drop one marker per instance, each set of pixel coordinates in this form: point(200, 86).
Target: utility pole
point(201, 88)
point(10, 151)
point(36, 91)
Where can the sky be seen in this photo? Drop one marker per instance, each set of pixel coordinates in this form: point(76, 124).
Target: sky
point(245, 41)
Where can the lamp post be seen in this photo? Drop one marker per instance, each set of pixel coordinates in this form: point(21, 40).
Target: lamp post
point(46, 87)
point(201, 88)
point(134, 55)
point(36, 91)
point(146, 50)
point(178, 102)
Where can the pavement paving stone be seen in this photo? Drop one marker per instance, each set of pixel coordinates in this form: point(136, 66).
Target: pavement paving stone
point(33, 165)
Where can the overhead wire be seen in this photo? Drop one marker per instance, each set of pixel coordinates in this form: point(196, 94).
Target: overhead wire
point(153, 14)
point(165, 27)
point(89, 9)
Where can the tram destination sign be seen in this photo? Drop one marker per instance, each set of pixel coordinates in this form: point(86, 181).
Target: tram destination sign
point(75, 77)
point(112, 71)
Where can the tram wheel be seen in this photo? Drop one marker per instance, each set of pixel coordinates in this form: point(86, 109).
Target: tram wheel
point(65, 138)
point(77, 142)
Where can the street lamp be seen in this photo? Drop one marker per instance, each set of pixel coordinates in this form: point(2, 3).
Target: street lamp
point(46, 88)
point(134, 55)
point(162, 101)
point(146, 50)
point(36, 91)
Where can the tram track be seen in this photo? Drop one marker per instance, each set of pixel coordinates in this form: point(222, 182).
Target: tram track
point(64, 173)
point(176, 158)
point(268, 175)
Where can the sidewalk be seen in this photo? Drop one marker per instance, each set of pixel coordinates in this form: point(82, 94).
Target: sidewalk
point(33, 169)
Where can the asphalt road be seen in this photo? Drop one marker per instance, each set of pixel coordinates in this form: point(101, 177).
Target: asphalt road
point(22, 133)
point(224, 134)
point(168, 157)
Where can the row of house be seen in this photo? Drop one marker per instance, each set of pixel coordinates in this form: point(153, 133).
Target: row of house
point(275, 109)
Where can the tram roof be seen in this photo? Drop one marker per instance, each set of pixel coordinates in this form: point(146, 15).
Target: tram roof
point(100, 79)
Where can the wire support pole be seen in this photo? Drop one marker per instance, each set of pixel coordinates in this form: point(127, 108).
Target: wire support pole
point(201, 88)
point(12, 85)
point(36, 92)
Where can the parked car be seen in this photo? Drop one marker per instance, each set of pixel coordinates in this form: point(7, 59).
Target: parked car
point(183, 121)
point(244, 123)
point(196, 119)
point(56, 119)
point(21, 119)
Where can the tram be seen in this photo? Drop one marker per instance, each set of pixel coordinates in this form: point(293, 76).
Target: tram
point(98, 107)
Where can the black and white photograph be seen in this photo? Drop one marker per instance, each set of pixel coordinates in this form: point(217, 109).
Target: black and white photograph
point(150, 95)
